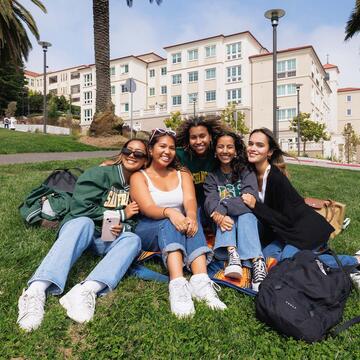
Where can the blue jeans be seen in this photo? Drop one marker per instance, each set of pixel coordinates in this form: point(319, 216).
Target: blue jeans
point(74, 238)
point(244, 235)
point(161, 235)
point(281, 251)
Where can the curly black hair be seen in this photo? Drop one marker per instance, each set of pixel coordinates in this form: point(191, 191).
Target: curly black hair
point(239, 162)
point(212, 123)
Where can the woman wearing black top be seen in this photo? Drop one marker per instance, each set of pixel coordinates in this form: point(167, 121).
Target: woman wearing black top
point(288, 223)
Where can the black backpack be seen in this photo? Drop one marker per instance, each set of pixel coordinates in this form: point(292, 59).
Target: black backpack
point(304, 298)
point(62, 180)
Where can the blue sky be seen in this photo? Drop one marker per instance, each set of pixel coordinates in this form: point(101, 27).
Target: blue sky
point(147, 27)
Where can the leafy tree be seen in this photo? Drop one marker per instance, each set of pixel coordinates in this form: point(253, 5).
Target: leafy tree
point(309, 130)
point(353, 24)
point(14, 41)
point(352, 140)
point(12, 83)
point(35, 100)
point(53, 108)
point(102, 65)
point(173, 121)
point(235, 119)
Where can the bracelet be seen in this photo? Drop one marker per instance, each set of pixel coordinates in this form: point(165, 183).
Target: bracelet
point(164, 215)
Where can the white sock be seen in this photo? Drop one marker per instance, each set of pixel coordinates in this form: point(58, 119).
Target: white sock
point(95, 286)
point(179, 279)
point(38, 286)
point(199, 277)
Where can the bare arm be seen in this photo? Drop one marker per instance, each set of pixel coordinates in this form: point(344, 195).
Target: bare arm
point(190, 204)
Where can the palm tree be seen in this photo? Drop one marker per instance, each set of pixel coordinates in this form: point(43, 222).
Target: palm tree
point(14, 41)
point(353, 24)
point(102, 53)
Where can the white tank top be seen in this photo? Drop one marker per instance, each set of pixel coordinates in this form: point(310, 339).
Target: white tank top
point(170, 199)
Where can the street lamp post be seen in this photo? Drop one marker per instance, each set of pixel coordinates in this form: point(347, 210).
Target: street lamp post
point(45, 45)
point(194, 103)
point(274, 15)
point(298, 116)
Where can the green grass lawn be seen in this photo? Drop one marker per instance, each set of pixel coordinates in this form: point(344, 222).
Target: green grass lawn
point(14, 142)
point(134, 321)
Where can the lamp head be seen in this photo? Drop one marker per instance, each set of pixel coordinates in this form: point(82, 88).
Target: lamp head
point(274, 15)
point(44, 44)
point(298, 86)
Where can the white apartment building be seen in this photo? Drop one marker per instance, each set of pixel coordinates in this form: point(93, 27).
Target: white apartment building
point(204, 75)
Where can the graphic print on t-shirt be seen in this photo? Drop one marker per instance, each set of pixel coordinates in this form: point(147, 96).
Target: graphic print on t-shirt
point(229, 190)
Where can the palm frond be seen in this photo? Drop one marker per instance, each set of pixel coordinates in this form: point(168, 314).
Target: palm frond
point(353, 24)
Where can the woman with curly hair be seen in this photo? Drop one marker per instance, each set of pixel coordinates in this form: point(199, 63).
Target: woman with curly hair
point(195, 151)
point(237, 237)
point(165, 194)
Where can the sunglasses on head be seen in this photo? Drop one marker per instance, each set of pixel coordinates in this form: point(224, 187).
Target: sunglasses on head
point(162, 131)
point(136, 153)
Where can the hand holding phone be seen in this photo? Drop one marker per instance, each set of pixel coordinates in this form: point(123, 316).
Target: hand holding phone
point(110, 219)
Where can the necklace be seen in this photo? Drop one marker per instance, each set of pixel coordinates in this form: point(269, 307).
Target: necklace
point(227, 177)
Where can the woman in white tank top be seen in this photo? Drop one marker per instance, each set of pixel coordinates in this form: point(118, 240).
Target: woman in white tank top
point(166, 197)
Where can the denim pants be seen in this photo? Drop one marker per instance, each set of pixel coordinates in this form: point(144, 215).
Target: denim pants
point(161, 235)
point(244, 235)
point(281, 251)
point(74, 238)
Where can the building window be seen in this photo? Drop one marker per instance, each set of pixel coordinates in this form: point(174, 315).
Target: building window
point(210, 73)
point(124, 69)
point(176, 58)
point(112, 89)
point(152, 73)
point(286, 68)
point(176, 100)
point(53, 79)
point(348, 98)
point(152, 91)
point(176, 79)
point(88, 97)
point(210, 51)
point(193, 97)
point(87, 79)
point(234, 96)
point(193, 54)
point(124, 107)
point(88, 113)
point(233, 51)
point(75, 89)
point(348, 112)
point(193, 76)
point(210, 95)
point(286, 114)
point(163, 90)
point(233, 73)
point(284, 90)
point(124, 89)
point(163, 71)
point(112, 71)
point(75, 75)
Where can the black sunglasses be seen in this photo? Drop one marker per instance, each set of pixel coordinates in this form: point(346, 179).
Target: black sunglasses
point(136, 153)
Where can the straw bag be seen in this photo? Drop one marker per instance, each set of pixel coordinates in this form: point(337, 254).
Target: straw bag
point(332, 211)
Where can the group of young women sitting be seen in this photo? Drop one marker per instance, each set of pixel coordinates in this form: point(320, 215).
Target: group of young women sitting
point(203, 176)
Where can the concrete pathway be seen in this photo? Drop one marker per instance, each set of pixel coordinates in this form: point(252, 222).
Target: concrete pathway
point(40, 157)
point(322, 163)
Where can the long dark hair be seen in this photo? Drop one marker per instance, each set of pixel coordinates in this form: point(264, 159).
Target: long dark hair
point(213, 125)
point(175, 164)
point(239, 162)
point(277, 157)
point(117, 159)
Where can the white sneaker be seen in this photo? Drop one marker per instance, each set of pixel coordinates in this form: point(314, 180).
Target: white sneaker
point(79, 304)
point(31, 310)
point(355, 278)
point(181, 303)
point(204, 289)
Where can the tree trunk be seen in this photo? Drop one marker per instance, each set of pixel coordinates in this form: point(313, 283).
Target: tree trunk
point(304, 147)
point(102, 54)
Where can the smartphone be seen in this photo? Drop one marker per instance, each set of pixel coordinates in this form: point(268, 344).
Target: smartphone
point(110, 218)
